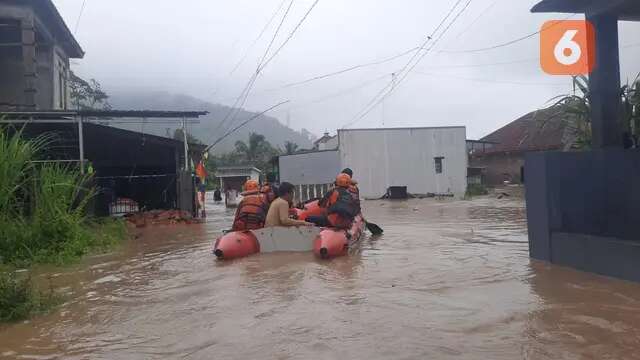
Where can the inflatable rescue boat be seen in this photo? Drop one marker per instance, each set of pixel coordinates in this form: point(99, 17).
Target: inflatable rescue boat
point(324, 242)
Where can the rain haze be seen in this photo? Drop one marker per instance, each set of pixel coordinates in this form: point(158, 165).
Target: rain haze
point(209, 50)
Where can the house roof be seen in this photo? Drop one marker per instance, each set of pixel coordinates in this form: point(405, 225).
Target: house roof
point(539, 130)
point(326, 137)
point(624, 9)
point(48, 13)
point(104, 115)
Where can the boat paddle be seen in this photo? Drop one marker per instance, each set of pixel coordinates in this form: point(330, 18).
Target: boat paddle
point(374, 228)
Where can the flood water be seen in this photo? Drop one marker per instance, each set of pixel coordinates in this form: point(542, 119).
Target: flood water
point(447, 280)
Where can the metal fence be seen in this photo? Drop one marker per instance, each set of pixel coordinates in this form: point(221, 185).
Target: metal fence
point(305, 193)
point(118, 195)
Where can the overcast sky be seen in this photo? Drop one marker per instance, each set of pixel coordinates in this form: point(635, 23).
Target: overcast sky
point(191, 47)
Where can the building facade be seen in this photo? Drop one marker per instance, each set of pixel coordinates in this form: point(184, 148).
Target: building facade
point(430, 160)
point(35, 48)
point(503, 159)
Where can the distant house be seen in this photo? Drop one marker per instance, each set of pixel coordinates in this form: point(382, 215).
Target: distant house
point(326, 142)
point(35, 48)
point(232, 179)
point(501, 154)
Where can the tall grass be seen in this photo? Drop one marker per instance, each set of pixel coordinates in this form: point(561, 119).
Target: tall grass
point(43, 207)
point(42, 220)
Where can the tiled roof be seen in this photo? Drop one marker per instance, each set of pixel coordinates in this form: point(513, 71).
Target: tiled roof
point(545, 129)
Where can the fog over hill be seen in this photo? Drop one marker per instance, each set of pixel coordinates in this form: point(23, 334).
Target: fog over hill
point(275, 132)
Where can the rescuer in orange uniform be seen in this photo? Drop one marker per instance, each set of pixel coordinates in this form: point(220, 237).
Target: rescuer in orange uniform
point(342, 207)
point(252, 210)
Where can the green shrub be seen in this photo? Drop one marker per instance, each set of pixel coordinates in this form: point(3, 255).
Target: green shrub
point(476, 190)
point(19, 300)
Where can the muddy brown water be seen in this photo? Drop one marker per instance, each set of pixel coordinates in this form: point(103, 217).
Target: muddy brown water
point(447, 280)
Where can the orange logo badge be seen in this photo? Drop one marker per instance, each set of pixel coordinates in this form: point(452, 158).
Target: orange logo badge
point(567, 47)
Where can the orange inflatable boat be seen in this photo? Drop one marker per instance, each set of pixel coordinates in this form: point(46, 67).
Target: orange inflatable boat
point(324, 242)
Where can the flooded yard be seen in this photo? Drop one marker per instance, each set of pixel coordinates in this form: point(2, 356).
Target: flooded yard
point(448, 279)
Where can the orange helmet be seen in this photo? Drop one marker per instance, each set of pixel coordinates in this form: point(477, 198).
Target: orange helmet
point(343, 180)
point(251, 185)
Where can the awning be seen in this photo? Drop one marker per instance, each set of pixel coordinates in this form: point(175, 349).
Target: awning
point(624, 9)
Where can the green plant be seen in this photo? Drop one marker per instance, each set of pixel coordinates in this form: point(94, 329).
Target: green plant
point(43, 217)
point(290, 148)
point(476, 190)
point(575, 110)
point(19, 300)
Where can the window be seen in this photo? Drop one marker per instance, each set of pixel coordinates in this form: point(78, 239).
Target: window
point(438, 163)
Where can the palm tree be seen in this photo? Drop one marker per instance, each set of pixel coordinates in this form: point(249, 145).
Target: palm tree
point(253, 150)
point(290, 148)
point(257, 152)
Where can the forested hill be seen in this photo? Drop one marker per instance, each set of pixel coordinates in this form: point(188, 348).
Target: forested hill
point(275, 132)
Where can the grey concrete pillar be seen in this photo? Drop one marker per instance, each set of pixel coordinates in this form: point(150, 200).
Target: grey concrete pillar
point(605, 84)
point(29, 62)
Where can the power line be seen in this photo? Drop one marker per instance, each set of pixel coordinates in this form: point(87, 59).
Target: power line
point(243, 124)
point(291, 34)
point(372, 102)
point(482, 13)
point(341, 93)
point(497, 46)
point(406, 73)
point(351, 68)
point(75, 30)
point(522, 61)
point(273, 39)
point(489, 80)
point(264, 64)
point(339, 72)
point(264, 29)
point(242, 98)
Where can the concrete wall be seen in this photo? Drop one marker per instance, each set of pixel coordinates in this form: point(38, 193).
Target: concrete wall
point(381, 158)
point(319, 167)
point(499, 167)
point(583, 210)
point(50, 63)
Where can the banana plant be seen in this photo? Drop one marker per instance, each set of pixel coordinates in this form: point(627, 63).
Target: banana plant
point(575, 110)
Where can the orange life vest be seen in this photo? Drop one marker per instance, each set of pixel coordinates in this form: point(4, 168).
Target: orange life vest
point(251, 213)
point(342, 202)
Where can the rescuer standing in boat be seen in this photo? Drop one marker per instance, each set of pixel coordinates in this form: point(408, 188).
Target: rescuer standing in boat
point(252, 210)
point(278, 214)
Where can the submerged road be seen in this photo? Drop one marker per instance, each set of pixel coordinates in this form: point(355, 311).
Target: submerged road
point(447, 280)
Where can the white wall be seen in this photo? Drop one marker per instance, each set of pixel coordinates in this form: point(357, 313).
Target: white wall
point(60, 80)
point(330, 144)
point(320, 167)
point(381, 158)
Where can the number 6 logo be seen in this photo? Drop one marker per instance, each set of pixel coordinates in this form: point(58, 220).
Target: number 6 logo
point(567, 47)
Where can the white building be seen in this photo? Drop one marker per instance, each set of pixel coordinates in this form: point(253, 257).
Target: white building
point(326, 142)
point(425, 160)
point(310, 168)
